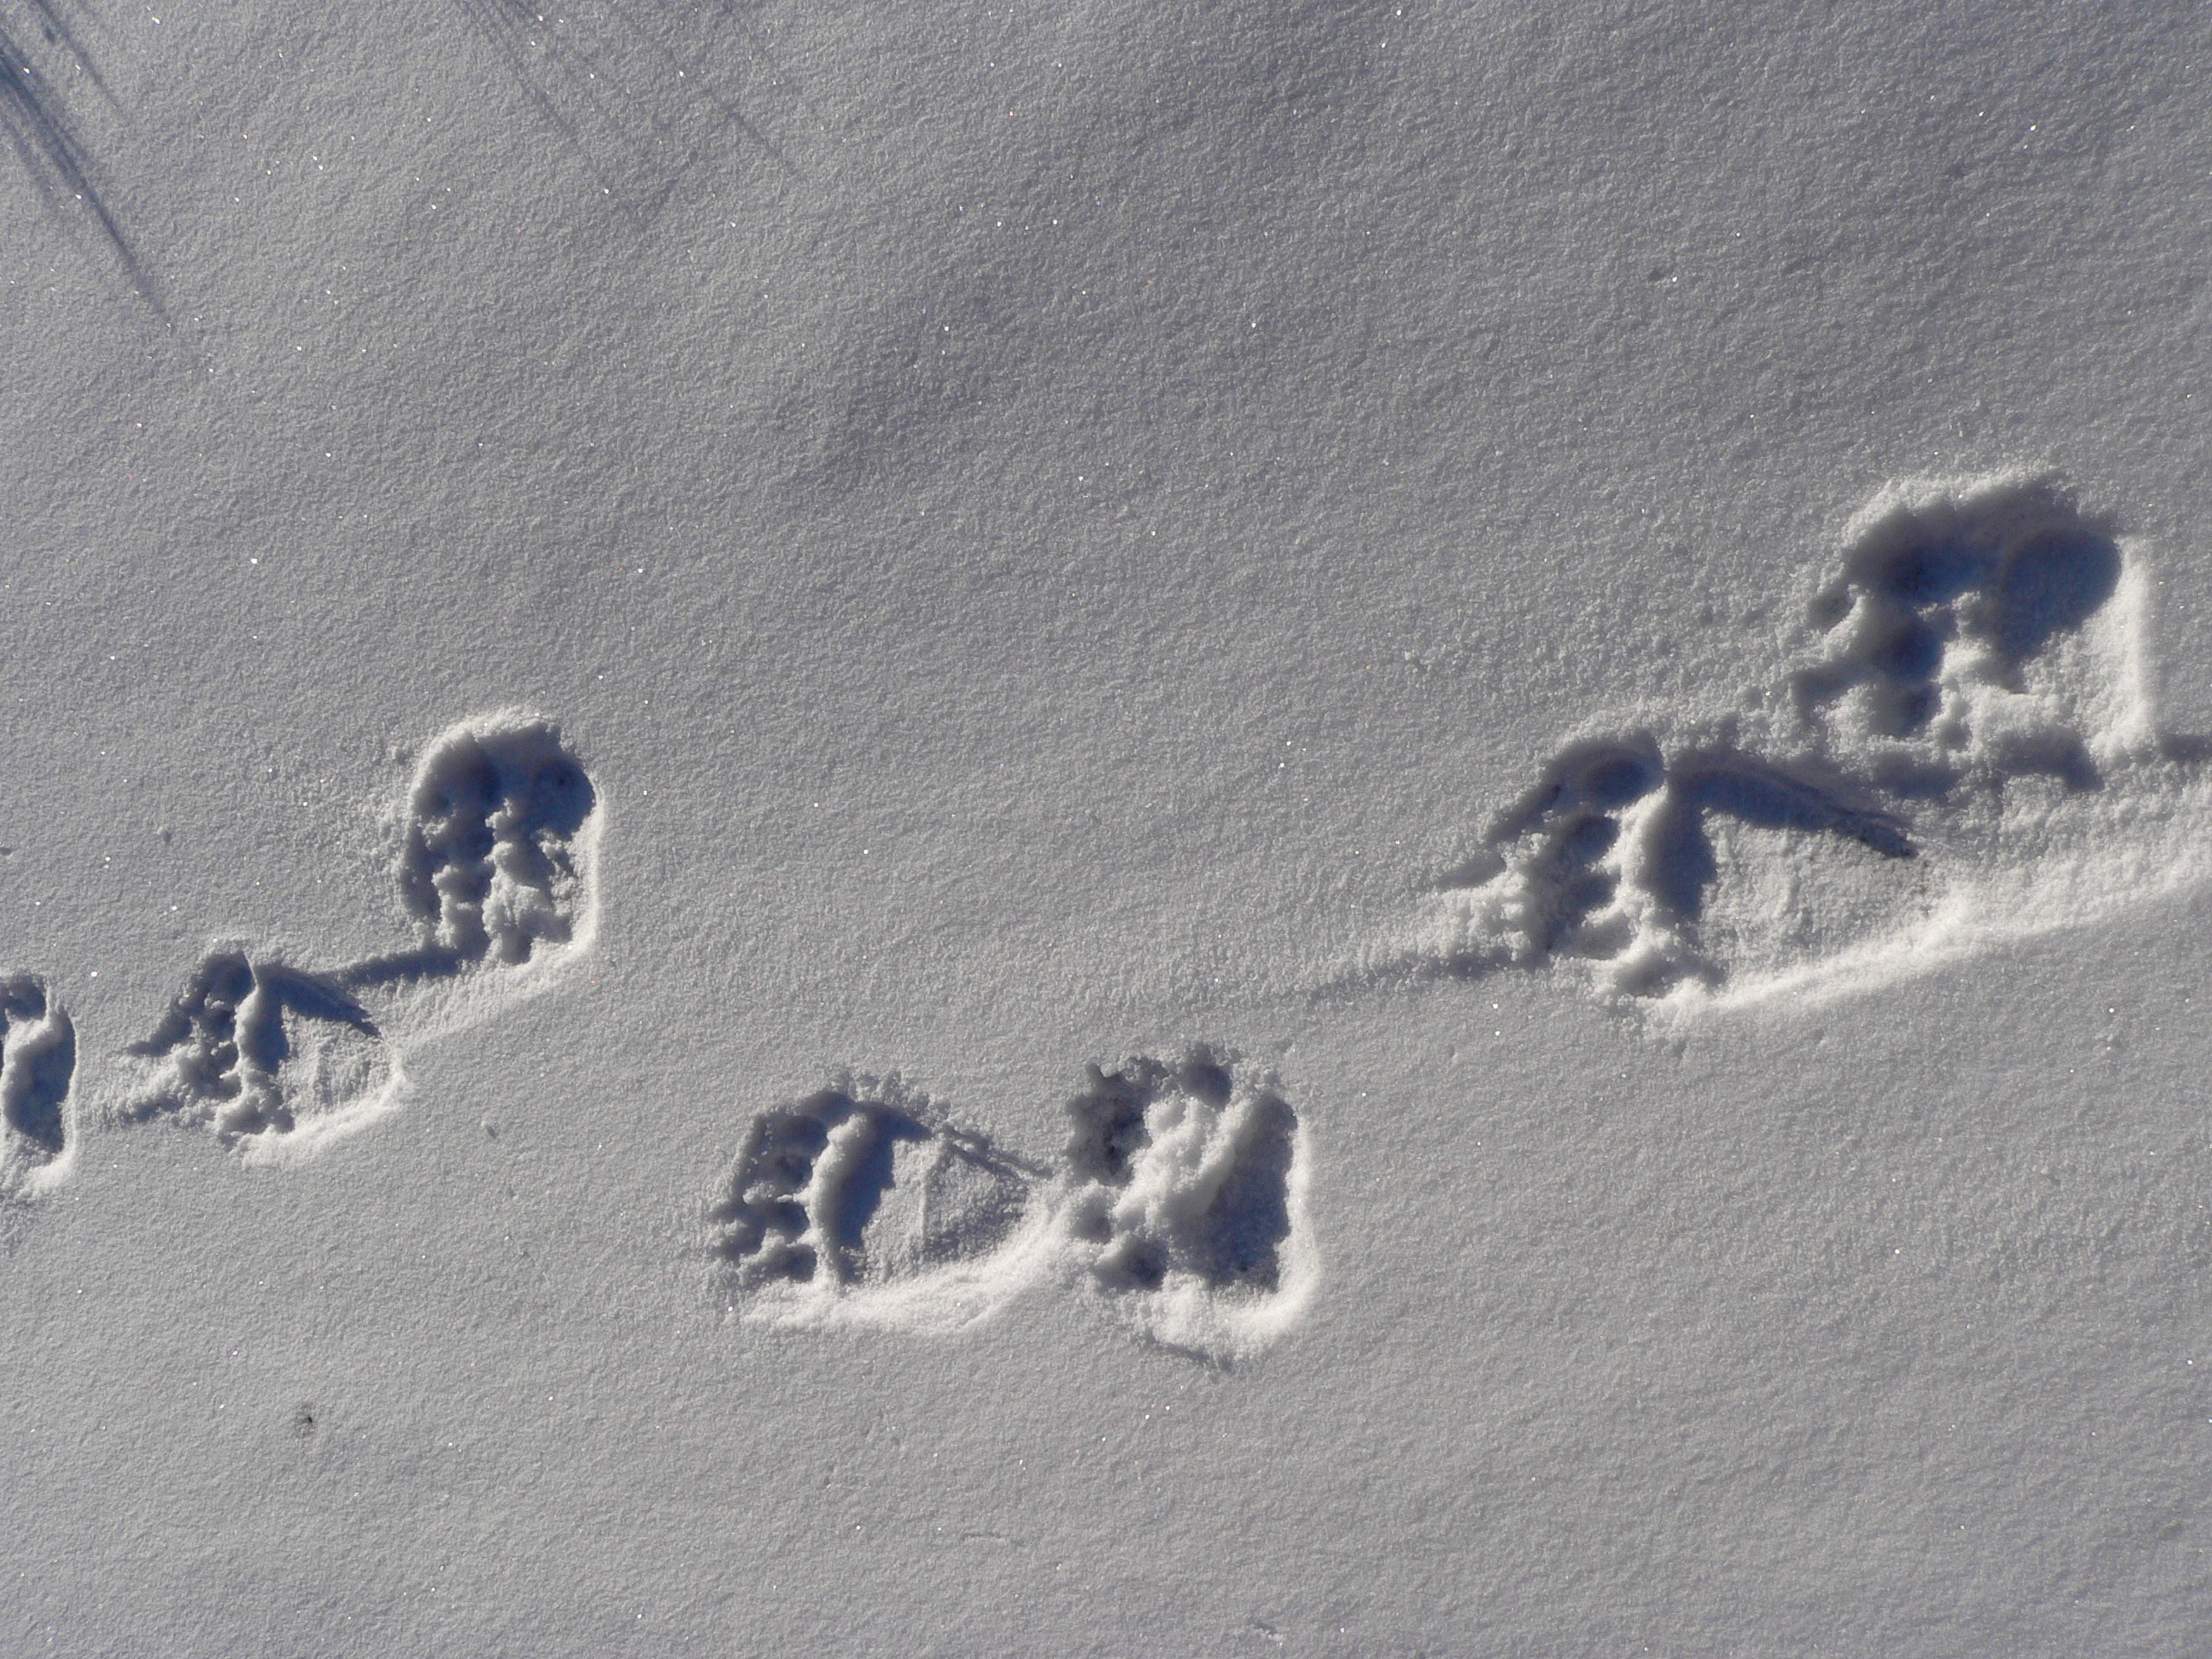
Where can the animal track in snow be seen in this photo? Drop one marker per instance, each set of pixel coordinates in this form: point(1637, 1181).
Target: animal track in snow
point(1182, 1203)
point(498, 870)
point(1180, 1194)
point(864, 1184)
point(38, 1069)
point(1616, 855)
point(1967, 750)
point(254, 1049)
point(1948, 605)
point(494, 869)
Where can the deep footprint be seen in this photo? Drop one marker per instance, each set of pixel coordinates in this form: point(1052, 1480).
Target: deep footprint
point(1613, 860)
point(864, 1184)
point(1179, 1177)
point(259, 1050)
point(496, 865)
point(1948, 603)
point(1975, 688)
point(38, 1068)
point(497, 870)
point(1180, 1204)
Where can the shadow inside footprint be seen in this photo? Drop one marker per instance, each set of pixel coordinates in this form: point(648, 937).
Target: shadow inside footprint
point(1555, 837)
point(862, 1183)
point(1179, 1199)
point(1592, 779)
point(762, 1224)
point(1975, 585)
point(38, 1063)
point(2052, 585)
point(1244, 1230)
point(253, 1048)
point(1682, 867)
point(489, 867)
point(496, 868)
point(1612, 859)
point(1980, 634)
point(1181, 1171)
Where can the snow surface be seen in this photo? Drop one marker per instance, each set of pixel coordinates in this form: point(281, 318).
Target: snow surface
point(1330, 828)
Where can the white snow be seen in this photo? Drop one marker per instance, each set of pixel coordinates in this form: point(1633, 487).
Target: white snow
point(1102, 829)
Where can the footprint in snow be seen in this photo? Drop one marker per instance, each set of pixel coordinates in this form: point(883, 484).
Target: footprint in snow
point(1967, 750)
point(498, 873)
point(1179, 1206)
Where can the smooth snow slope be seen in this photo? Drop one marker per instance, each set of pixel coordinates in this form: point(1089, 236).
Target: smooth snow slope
point(1340, 829)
